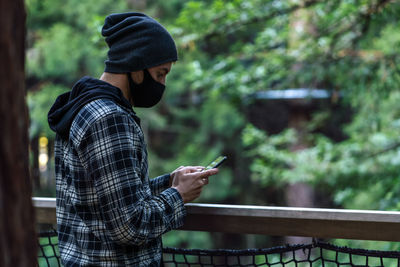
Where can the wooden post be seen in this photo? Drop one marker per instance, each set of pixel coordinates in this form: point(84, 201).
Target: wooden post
point(18, 242)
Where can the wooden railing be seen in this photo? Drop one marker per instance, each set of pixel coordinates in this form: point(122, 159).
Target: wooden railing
point(274, 221)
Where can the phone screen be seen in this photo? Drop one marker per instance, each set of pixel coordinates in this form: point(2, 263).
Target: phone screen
point(218, 161)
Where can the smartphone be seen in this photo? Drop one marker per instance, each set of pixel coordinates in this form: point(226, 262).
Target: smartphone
point(215, 163)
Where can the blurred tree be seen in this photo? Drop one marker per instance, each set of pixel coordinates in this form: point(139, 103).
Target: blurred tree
point(350, 48)
point(18, 239)
point(245, 47)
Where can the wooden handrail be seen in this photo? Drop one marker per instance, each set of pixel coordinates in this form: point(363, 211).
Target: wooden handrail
point(274, 221)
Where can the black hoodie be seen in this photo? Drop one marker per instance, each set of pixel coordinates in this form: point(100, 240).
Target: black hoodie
point(67, 105)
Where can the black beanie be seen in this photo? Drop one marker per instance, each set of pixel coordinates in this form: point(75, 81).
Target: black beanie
point(136, 42)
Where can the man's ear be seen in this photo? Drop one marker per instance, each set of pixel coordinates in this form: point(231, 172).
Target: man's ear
point(137, 76)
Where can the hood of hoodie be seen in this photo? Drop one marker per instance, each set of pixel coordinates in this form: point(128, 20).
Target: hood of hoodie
point(67, 105)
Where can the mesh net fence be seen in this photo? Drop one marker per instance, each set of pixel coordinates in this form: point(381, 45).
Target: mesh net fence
point(49, 254)
point(315, 254)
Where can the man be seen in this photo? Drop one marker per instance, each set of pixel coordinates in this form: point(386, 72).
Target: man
point(108, 211)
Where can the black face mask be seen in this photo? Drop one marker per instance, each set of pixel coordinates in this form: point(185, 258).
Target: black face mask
point(146, 94)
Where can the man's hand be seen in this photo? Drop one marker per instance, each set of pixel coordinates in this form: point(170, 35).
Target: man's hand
point(189, 181)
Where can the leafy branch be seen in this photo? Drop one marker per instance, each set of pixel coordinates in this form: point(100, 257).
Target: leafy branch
point(235, 25)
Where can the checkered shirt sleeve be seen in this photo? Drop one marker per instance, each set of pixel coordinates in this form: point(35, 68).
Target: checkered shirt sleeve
point(159, 184)
point(109, 151)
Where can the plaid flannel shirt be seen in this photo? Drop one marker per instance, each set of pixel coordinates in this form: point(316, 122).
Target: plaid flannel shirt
point(108, 212)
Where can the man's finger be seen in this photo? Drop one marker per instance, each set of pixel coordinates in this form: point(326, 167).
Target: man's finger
point(209, 172)
point(194, 168)
point(203, 174)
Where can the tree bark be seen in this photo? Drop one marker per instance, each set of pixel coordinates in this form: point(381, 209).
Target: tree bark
point(18, 242)
point(34, 172)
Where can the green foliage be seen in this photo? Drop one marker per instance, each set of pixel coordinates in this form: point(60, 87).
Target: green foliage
point(185, 239)
point(39, 104)
point(56, 45)
point(340, 45)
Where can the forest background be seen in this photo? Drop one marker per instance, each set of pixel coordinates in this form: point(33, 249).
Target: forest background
point(301, 95)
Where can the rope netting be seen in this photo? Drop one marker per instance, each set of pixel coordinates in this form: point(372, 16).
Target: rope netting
point(316, 254)
point(49, 254)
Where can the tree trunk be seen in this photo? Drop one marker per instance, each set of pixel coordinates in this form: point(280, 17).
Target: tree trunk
point(18, 242)
point(35, 173)
point(299, 194)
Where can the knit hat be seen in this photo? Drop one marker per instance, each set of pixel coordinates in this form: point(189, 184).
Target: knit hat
point(136, 42)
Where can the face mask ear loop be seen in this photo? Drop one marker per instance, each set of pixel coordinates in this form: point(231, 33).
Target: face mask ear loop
point(131, 84)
